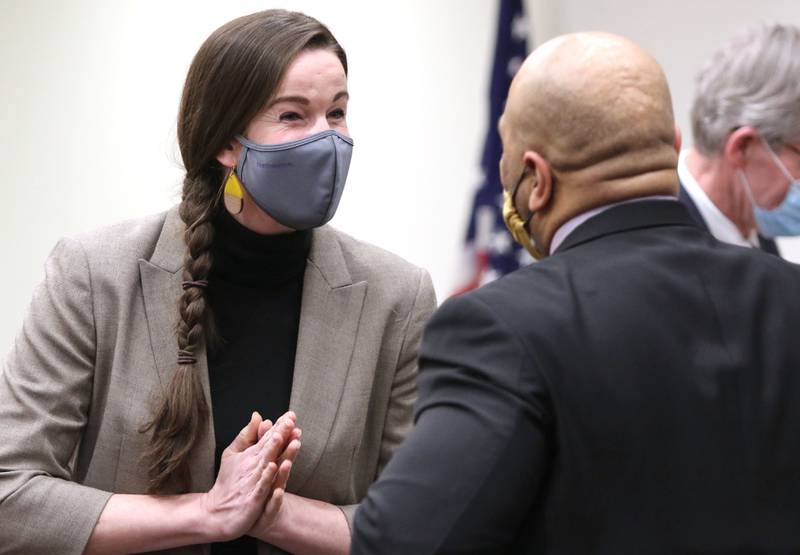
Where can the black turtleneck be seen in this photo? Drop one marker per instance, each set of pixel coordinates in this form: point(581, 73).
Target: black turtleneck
point(255, 289)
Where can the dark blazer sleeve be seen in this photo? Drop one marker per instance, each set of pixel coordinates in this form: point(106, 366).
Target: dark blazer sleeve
point(468, 474)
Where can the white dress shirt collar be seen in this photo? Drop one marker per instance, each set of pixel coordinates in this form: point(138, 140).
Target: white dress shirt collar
point(718, 223)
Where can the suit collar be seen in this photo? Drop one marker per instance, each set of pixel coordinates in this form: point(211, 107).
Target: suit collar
point(327, 257)
point(161, 278)
point(329, 319)
point(326, 254)
point(170, 247)
point(572, 224)
point(627, 217)
point(330, 314)
point(767, 245)
point(691, 207)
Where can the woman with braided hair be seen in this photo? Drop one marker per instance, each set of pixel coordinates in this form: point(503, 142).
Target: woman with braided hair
point(150, 343)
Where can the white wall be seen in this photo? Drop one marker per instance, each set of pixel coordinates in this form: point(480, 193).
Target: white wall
point(89, 92)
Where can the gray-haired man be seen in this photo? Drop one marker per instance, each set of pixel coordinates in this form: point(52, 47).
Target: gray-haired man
point(741, 180)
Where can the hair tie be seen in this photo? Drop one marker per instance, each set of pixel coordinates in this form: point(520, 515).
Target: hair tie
point(186, 357)
point(201, 283)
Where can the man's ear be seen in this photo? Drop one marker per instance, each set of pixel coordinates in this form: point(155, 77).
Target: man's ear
point(542, 190)
point(678, 138)
point(735, 148)
point(229, 156)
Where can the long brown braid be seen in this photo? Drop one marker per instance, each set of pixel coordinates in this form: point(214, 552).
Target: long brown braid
point(233, 75)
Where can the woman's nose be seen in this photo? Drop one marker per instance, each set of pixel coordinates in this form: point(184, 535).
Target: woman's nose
point(320, 124)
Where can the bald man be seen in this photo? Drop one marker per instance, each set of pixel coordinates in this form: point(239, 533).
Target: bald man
point(635, 392)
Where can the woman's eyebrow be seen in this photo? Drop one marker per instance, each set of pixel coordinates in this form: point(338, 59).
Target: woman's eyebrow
point(299, 99)
point(303, 100)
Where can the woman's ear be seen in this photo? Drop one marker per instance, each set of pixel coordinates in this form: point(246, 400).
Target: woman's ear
point(229, 156)
point(542, 189)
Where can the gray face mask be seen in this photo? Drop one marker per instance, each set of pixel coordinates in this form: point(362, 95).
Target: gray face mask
point(299, 183)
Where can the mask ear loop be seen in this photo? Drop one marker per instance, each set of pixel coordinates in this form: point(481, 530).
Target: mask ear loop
point(746, 182)
point(527, 220)
point(531, 213)
point(779, 162)
point(531, 246)
point(793, 182)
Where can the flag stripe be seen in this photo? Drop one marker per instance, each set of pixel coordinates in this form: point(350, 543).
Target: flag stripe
point(491, 251)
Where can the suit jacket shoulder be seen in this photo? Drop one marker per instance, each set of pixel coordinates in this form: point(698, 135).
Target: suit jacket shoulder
point(127, 240)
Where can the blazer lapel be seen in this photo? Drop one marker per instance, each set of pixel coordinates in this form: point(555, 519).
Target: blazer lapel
point(161, 288)
point(768, 245)
point(329, 317)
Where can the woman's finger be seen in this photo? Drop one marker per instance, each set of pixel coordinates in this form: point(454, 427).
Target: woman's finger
point(274, 445)
point(265, 481)
point(247, 436)
point(290, 415)
point(275, 502)
point(264, 437)
point(283, 476)
point(264, 427)
point(290, 453)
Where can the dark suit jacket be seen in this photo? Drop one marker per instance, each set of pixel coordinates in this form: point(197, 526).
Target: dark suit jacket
point(638, 392)
point(767, 245)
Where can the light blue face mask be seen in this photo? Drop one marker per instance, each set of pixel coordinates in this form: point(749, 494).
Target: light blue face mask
point(784, 220)
point(298, 183)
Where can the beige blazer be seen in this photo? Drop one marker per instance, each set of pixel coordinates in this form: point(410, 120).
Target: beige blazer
point(98, 345)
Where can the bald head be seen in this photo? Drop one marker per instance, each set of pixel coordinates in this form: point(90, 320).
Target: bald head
point(589, 118)
point(585, 99)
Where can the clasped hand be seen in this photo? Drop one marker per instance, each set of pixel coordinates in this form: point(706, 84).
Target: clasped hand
point(247, 496)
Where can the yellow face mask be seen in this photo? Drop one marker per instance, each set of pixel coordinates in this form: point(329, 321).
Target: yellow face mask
point(516, 225)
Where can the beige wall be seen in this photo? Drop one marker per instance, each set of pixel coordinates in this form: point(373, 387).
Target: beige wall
point(89, 92)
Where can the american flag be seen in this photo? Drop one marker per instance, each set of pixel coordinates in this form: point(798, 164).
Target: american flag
point(490, 250)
